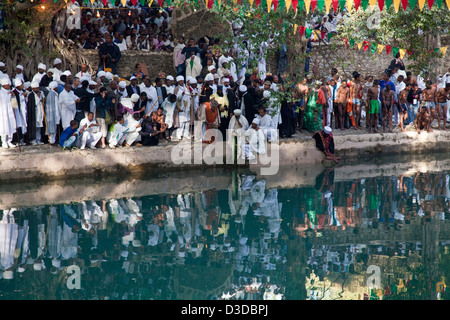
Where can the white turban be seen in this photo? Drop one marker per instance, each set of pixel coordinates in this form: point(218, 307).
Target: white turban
point(226, 80)
point(19, 66)
point(35, 84)
point(133, 78)
point(211, 67)
point(37, 266)
point(193, 81)
point(5, 81)
point(26, 85)
point(56, 263)
point(209, 77)
point(242, 88)
point(180, 78)
point(92, 83)
point(237, 112)
point(42, 66)
point(17, 82)
point(8, 275)
point(52, 85)
point(57, 61)
point(51, 70)
point(122, 84)
point(134, 97)
point(101, 74)
point(327, 129)
point(108, 75)
point(189, 79)
point(67, 73)
point(256, 121)
point(216, 76)
point(169, 77)
point(2, 64)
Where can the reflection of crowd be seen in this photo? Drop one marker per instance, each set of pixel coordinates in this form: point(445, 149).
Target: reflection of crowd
point(129, 248)
point(383, 202)
point(110, 240)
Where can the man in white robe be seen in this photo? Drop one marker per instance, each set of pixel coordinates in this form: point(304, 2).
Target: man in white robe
point(236, 128)
point(116, 132)
point(67, 104)
point(152, 94)
point(38, 97)
point(169, 106)
point(52, 113)
point(57, 70)
point(7, 119)
point(91, 134)
point(184, 116)
point(133, 125)
point(255, 141)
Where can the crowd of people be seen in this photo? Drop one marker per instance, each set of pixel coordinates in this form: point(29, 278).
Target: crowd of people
point(220, 88)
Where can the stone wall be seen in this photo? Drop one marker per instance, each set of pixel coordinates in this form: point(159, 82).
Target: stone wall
point(346, 60)
point(156, 62)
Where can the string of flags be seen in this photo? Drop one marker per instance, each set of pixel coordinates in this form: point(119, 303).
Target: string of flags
point(366, 45)
point(307, 5)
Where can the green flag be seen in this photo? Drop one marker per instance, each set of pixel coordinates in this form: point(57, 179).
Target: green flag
point(373, 47)
point(308, 33)
point(364, 4)
point(342, 4)
point(142, 2)
point(300, 5)
point(320, 4)
point(352, 42)
point(394, 51)
point(439, 3)
point(281, 5)
point(388, 3)
point(412, 3)
point(329, 35)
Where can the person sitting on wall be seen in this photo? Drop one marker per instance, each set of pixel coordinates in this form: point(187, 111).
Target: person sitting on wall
point(325, 143)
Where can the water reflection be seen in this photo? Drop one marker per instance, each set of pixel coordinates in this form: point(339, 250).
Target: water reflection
point(373, 238)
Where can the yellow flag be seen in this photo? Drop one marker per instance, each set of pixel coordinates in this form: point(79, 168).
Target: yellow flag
point(269, 5)
point(124, 2)
point(295, 28)
point(380, 48)
point(421, 4)
point(288, 4)
point(402, 53)
point(443, 50)
point(448, 4)
point(396, 5)
point(251, 2)
point(308, 4)
point(359, 46)
point(327, 6)
point(349, 4)
point(372, 4)
point(92, 1)
point(220, 3)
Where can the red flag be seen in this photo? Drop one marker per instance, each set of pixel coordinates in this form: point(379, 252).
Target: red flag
point(105, 2)
point(301, 30)
point(388, 49)
point(346, 42)
point(294, 4)
point(313, 5)
point(409, 52)
point(133, 2)
point(404, 4)
point(160, 2)
point(366, 45)
point(357, 3)
point(323, 34)
point(275, 5)
point(430, 3)
point(381, 4)
point(73, 1)
point(335, 5)
point(210, 4)
point(257, 2)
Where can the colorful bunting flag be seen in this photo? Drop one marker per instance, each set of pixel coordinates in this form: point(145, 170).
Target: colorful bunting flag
point(430, 3)
point(381, 4)
point(294, 5)
point(320, 3)
point(402, 53)
point(350, 5)
point(308, 32)
point(352, 42)
point(301, 30)
point(327, 5)
point(439, 3)
point(295, 28)
point(269, 5)
point(388, 49)
point(336, 3)
point(372, 4)
point(366, 45)
point(365, 3)
point(421, 4)
point(288, 4)
point(329, 35)
point(323, 34)
point(395, 51)
point(380, 48)
point(404, 4)
point(275, 4)
point(308, 3)
point(359, 45)
point(373, 47)
point(412, 4)
point(443, 50)
point(313, 5)
point(396, 5)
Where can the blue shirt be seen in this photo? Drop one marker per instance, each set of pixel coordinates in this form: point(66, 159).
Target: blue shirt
point(383, 84)
point(66, 134)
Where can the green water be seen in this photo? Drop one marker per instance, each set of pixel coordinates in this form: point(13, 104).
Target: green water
point(332, 236)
